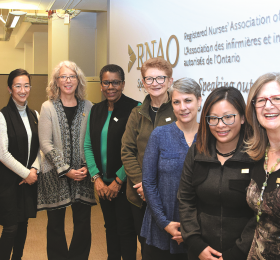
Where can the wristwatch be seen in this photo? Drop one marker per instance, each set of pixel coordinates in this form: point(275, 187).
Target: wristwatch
point(96, 176)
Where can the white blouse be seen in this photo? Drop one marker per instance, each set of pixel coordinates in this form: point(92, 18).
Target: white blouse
point(5, 156)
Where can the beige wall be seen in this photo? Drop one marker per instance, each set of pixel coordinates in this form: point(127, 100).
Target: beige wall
point(40, 52)
point(82, 45)
point(10, 58)
point(28, 57)
point(101, 42)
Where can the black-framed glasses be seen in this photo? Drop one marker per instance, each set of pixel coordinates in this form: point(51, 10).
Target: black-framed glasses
point(71, 77)
point(115, 83)
point(226, 119)
point(261, 101)
point(159, 80)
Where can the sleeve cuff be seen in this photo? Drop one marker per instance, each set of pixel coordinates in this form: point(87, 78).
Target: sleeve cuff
point(61, 174)
point(196, 244)
point(121, 174)
point(25, 174)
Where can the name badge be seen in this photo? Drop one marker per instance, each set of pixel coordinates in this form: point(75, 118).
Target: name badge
point(278, 180)
point(116, 119)
point(168, 119)
point(245, 171)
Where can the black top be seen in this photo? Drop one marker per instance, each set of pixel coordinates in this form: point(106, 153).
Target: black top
point(18, 202)
point(117, 124)
point(152, 113)
point(70, 113)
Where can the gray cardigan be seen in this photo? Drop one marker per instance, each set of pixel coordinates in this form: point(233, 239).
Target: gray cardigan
point(63, 149)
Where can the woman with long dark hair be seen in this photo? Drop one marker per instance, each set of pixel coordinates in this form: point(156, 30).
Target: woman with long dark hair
point(216, 221)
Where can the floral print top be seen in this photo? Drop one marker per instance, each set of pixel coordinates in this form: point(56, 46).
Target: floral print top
point(266, 242)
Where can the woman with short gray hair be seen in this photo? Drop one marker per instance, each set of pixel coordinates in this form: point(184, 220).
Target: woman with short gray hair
point(162, 166)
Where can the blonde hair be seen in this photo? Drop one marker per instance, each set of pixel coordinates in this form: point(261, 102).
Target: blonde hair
point(53, 91)
point(257, 138)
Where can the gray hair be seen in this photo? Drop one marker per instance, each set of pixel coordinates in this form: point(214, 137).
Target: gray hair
point(186, 85)
point(53, 91)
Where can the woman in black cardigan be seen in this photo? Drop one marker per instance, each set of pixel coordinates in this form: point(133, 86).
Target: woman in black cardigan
point(19, 163)
point(106, 125)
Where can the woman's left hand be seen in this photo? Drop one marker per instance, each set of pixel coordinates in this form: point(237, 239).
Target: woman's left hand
point(178, 239)
point(113, 190)
point(172, 229)
point(82, 173)
point(140, 190)
point(31, 178)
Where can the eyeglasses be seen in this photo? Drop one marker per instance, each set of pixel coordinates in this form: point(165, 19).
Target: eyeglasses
point(226, 119)
point(19, 86)
point(159, 80)
point(115, 83)
point(71, 77)
point(261, 101)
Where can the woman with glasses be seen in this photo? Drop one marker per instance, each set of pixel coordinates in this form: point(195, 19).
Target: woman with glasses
point(216, 221)
point(19, 163)
point(105, 128)
point(263, 146)
point(64, 179)
point(162, 167)
point(156, 110)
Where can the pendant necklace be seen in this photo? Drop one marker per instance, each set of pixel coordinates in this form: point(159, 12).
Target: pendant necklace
point(225, 154)
point(260, 199)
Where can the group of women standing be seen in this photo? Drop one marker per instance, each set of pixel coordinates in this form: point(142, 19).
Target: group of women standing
point(187, 190)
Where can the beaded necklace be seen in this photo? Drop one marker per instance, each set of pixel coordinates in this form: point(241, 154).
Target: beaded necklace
point(260, 199)
point(225, 154)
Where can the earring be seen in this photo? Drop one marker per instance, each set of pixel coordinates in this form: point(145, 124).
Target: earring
point(145, 91)
point(199, 109)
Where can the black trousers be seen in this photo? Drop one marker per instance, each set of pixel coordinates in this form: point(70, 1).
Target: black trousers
point(81, 240)
point(138, 216)
point(120, 233)
point(13, 238)
point(152, 253)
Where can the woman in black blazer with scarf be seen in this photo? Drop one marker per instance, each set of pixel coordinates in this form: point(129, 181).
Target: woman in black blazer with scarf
point(19, 163)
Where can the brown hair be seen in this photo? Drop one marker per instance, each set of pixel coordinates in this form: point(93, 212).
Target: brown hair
point(257, 138)
point(234, 97)
point(53, 91)
point(158, 63)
